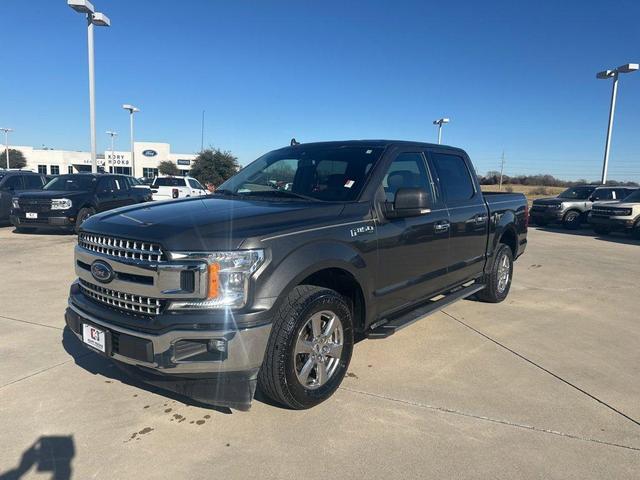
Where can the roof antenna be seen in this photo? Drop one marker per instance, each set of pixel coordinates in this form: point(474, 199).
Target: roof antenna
point(294, 142)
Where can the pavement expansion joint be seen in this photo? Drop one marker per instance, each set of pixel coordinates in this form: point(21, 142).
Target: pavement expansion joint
point(556, 376)
point(490, 419)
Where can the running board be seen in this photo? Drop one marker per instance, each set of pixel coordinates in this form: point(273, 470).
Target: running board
point(392, 326)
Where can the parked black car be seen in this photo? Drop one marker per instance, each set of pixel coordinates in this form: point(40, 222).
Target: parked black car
point(270, 279)
point(68, 200)
point(13, 182)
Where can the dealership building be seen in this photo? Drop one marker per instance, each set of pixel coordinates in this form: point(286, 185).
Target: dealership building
point(147, 157)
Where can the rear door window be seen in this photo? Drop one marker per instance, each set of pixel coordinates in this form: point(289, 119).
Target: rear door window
point(169, 182)
point(454, 177)
point(603, 194)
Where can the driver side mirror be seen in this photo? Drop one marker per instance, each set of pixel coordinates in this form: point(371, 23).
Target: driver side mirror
point(409, 202)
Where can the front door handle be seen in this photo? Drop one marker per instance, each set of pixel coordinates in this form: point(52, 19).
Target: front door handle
point(441, 227)
point(481, 218)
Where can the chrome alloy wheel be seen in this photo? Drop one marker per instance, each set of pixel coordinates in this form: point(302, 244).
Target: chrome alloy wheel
point(504, 272)
point(318, 349)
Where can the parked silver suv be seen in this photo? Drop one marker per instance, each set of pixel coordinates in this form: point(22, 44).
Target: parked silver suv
point(572, 206)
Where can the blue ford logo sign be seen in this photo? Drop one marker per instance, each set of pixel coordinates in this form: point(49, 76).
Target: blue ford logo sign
point(149, 153)
point(102, 271)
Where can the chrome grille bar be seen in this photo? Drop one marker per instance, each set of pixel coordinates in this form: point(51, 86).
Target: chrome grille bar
point(121, 248)
point(122, 300)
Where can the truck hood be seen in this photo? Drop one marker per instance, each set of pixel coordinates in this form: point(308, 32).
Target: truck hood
point(51, 194)
point(210, 223)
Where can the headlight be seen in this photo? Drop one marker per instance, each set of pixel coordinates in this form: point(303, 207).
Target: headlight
point(60, 204)
point(623, 212)
point(15, 203)
point(557, 206)
point(228, 275)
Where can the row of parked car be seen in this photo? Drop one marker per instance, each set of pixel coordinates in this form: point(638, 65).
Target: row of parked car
point(31, 201)
point(604, 208)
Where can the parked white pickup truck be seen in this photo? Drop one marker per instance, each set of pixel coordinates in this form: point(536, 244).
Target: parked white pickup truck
point(168, 188)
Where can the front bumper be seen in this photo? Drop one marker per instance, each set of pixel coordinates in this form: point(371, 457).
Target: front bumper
point(612, 223)
point(548, 215)
point(44, 220)
point(183, 361)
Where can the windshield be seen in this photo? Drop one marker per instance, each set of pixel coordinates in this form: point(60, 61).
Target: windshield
point(577, 193)
point(168, 182)
point(317, 172)
point(71, 183)
point(632, 197)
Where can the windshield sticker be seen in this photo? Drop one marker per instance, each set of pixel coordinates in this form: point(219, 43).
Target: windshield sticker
point(349, 183)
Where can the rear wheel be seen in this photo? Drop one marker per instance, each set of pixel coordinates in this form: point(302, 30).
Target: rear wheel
point(83, 214)
point(309, 348)
point(571, 220)
point(498, 280)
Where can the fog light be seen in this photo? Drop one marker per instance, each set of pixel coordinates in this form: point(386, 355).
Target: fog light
point(217, 345)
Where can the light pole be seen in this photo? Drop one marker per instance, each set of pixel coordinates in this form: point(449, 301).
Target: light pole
point(6, 141)
point(132, 110)
point(628, 68)
point(112, 135)
point(440, 122)
point(100, 19)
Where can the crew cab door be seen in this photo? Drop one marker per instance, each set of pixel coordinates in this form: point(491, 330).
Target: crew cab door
point(468, 214)
point(412, 251)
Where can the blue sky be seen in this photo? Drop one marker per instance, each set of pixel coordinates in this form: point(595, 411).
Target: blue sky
point(512, 75)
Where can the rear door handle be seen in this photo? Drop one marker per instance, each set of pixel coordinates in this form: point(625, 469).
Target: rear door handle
point(441, 227)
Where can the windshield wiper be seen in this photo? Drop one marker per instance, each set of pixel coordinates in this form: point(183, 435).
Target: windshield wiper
point(285, 193)
point(224, 191)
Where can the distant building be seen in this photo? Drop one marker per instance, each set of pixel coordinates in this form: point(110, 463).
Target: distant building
point(147, 155)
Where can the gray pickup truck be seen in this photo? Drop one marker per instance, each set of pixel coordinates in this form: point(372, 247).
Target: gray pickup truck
point(272, 279)
point(571, 207)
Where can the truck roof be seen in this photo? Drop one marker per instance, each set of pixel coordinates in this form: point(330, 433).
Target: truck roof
point(373, 143)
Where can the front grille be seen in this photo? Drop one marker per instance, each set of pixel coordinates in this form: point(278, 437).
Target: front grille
point(124, 301)
point(121, 248)
point(608, 212)
point(35, 205)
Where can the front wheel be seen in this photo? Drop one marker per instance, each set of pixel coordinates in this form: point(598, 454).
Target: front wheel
point(83, 214)
point(498, 280)
point(309, 348)
point(571, 220)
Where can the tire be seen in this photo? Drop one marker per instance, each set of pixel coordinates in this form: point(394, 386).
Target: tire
point(289, 375)
point(83, 214)
point(497, 287)
point(635, 233)
point(601, 230)
point(572, 220)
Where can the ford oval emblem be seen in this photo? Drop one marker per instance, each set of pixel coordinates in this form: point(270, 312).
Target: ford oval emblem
point(102, 271)
point(149, 153)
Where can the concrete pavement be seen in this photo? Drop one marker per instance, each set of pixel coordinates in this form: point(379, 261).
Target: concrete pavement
point(544, 385)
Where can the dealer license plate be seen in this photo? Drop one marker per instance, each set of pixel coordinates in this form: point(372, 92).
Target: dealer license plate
point(94, 337)
point(32, 215)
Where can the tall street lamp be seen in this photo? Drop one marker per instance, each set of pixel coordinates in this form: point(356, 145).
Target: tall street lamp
point(6, 141)
point(628, 68)
point(440, 122)
point(100, 19)
point(112, 135)
point(132, 110)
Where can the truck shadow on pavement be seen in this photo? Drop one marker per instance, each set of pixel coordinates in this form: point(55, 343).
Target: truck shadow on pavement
point(99, 365)
point(615, 237)
point(47, 454)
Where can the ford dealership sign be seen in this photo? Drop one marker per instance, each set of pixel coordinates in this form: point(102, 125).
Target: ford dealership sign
point(149, 153)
